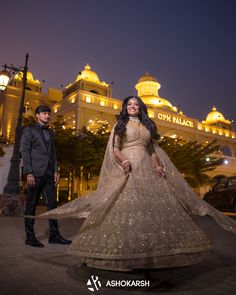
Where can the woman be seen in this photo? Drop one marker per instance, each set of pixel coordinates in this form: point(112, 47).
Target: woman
point(140, 215)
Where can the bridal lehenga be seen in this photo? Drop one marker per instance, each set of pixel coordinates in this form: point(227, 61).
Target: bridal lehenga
point(139, 220)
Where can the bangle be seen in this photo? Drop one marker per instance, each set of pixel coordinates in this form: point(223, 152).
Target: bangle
point(160, 167)
point(125, 161)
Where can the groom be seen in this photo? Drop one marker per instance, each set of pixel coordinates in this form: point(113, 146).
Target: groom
point(40, 167)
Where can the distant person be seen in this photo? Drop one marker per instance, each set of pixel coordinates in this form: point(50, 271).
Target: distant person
point(40, 168)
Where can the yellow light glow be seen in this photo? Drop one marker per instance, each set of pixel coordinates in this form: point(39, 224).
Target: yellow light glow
point(89, 75)
point(4, 79)
point(115, 107)
point(8, 131)
point(55, 111)
point(88, 99)
point(207, 129)
point(216, 116)
point(175, 120)
point(150, 114)
point(73, 100)
point(102, 103)
point(30, 78)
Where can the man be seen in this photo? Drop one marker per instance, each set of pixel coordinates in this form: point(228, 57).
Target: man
point(40, 167)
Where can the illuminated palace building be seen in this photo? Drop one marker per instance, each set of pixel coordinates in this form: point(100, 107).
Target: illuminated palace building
point(88, 102)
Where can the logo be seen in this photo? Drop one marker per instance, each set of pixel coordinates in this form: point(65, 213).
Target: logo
point(94, 284)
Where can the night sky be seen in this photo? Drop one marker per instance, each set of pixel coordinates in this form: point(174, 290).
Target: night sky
point(188, 45)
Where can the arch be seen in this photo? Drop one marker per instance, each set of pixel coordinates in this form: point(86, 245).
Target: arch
point(227, 151)
point(218, 177)
point(173, 134)
point(98, 122)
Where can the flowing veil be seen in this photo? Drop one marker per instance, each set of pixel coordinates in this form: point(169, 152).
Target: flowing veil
point(112, 180)
point(187, 197)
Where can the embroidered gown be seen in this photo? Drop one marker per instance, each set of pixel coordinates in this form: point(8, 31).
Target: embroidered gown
point(141, 220)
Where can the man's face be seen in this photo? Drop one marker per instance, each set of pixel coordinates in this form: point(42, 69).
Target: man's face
point(43, 118)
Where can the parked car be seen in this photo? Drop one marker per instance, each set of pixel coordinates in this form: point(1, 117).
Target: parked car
point(223, 194)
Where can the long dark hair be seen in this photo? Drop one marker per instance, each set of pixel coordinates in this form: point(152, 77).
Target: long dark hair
point(123, 119)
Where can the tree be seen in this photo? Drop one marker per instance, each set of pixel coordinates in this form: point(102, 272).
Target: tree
point(94, 146)
point(192, 159)
point(80, 154)
point(28, 121)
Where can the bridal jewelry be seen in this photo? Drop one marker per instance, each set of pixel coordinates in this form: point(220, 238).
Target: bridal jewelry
point(135, 119)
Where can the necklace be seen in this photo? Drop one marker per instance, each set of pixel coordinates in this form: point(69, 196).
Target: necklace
point(135, 120)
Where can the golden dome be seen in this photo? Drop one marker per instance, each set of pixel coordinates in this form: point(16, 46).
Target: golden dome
point(30, 77)
point(147, 77)
point(89, 75)
point(147, 87)
point(216, 116)
point(157, 101)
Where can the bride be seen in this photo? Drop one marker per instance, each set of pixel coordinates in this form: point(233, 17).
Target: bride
point(140, 216)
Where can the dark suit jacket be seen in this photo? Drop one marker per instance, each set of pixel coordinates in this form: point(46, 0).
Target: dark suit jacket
point(36, 154)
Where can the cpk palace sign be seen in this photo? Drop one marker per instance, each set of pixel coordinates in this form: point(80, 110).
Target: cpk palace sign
point(175, 119)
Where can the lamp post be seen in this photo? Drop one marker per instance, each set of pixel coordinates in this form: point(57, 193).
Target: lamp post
point(11, 194)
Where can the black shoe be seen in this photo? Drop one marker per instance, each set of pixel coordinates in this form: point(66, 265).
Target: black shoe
point(33, 243)
point(58, 239)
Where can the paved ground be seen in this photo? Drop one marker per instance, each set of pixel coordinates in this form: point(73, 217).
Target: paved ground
point(50, 270)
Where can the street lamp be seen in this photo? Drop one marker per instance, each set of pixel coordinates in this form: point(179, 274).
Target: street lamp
point(11, 192)
point(4, 79)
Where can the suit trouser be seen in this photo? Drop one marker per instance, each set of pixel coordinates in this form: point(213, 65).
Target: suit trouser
point(46, 186)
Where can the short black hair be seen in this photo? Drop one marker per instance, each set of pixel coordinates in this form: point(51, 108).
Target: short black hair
point(42, 108)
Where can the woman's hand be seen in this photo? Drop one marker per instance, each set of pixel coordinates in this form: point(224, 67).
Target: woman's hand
point(126, 166)
point(160, 171)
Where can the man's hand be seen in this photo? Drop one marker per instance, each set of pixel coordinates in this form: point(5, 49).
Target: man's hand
point(56, 178)
point(30, 180)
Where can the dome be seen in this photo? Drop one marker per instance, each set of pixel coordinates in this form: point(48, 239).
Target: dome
point(30, 77)
point(216, 116)
point(147, 87)
point(156, 101)
point(88, 74)
point(147, 77)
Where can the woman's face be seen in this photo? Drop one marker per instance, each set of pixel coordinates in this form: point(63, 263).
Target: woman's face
point(133, 107)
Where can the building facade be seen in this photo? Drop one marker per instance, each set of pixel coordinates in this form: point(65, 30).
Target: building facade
point(88, 102)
